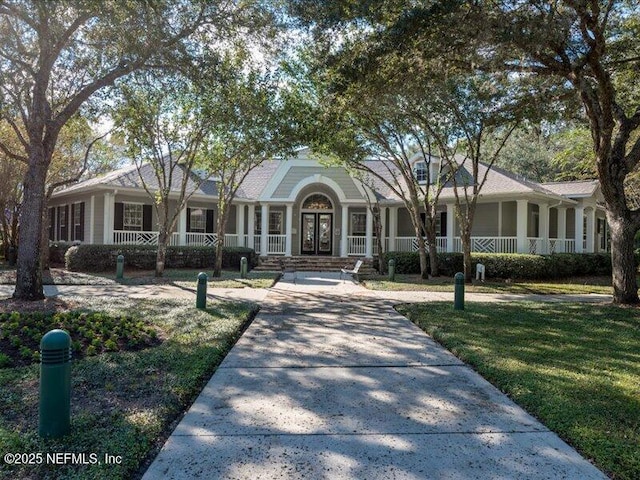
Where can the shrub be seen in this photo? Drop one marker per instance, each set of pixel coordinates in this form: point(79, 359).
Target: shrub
point(100, 258)
point(512, 265)
point(58, 250)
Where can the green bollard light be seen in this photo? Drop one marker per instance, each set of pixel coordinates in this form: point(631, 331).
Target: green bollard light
point(392, 270)
point(201, 293)
point(243, 267)
point(120, 266)
point(55, 384)
point(458, 297)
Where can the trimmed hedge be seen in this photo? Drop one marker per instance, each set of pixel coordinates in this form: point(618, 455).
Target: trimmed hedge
point(58, 250)
point(100, 258)
point(512, 265)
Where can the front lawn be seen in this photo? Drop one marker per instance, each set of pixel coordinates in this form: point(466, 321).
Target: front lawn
point(579, 285)
point(124, 403)
point(576, 367)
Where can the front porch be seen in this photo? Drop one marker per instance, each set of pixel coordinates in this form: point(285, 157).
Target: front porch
point(357, 245)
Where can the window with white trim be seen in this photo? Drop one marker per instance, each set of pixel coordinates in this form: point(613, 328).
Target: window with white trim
point(420, 171)
point(132, 216)
point(198, 220)
point(63, 217)
point(358, 224)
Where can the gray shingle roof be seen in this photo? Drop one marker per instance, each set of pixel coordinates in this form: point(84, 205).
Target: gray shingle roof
point(128, 177)
point(580, 188)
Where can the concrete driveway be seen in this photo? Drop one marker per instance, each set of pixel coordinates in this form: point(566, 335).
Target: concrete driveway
point(330, 382)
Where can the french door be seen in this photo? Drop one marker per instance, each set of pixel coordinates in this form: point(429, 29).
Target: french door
point(316, 233)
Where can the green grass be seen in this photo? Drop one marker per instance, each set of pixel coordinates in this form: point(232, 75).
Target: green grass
point(576, 367)
point(123, 403)
point(581, 285)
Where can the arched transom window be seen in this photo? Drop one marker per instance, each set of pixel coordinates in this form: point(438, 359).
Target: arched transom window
point(317, 202)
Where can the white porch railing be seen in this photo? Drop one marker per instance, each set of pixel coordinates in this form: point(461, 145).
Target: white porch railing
point(276, 244)
point(126, 237)
point(356, 245)
point(410, 244)
point(536, 245)
point(562, 245)
point(195, 239)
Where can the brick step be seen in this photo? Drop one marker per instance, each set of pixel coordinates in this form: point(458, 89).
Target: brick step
point(313, 264)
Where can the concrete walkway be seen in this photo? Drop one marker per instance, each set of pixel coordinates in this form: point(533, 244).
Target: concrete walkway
point(330, 382)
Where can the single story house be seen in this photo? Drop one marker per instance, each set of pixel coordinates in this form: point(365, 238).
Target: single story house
point(298, 206)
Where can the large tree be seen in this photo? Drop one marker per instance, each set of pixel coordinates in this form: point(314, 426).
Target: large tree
point(248, 125)
point(164, 126)
point(55, 56)
point(594, 46)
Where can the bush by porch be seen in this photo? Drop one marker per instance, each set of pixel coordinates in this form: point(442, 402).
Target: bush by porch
point(512, 266)
point(99, 258)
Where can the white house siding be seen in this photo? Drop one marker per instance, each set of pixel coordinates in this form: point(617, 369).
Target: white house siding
point(54, 203)
point(298, 173)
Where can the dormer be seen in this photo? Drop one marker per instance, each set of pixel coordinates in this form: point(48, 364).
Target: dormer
point(426, 169)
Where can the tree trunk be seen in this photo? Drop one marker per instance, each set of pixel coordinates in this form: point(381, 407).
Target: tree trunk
point(623, 262)
point(422, 253)
point(161, 254)
point(44, 239)
point(433, 259)
point(465, 238)
point(29, 269)
point(220, 232)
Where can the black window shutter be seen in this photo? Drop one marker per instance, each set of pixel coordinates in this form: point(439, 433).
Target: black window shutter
point(188, 219)
point(443, 224)
point(210, 227)
point(118, 217)
point(64, 231)
point(52, 220)
point(58, 229)
point(80, 234)
point(146, 218)
point(72, 223)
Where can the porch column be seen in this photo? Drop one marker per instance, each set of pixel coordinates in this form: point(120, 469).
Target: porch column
point(92, 218)
point(251, 227)
point(264, 229)
point(579, 233)
point(521, 225)
point(562, 229)
point(182, 226)
point(393, 228)
point(591, 222)
point(240, 224)
point(451, 221)
point(368, 247)
point(289, 230)
point(499, 219)
point(109, 210)
point(344, 232)
point(383, 227)
point(543, 229)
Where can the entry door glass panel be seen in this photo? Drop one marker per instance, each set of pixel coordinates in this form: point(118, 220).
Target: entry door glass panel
point(324, 233)
point(309, 233)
